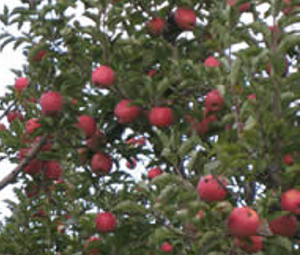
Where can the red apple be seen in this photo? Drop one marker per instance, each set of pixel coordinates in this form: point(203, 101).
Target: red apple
point(2, 127)
point(166, 247)
point(131, 165)
point(101, 163)
point(126, 112)
point(40, 55)
point(53, 170)
point(288, 160)
point(214, 101)
point(286, 225)
point(32, 125)
point(250, 244)
point(161, 117)
point(244, 7)
point(106, 222)
point(252, 97)
point(89, 242)
point(21, 84)
point(200, 127)
point(200, 214)
point(185, 18)
point(290, 201)
point(51, 103)
point(212, 62)
point(14, 115)
point(243, 222)
point(103, 76)
point(210, 190)
point(96, 140)
point(156, 26)
point(87, 124)
point(151, 73)
point(154, 172)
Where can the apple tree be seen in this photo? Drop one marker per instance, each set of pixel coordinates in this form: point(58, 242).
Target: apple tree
point(152, 127)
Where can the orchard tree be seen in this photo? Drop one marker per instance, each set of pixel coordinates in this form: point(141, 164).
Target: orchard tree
point(153, 127)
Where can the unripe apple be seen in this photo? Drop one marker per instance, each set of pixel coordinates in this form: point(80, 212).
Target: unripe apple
point(21, 84)
point(51, 103)
point(87, 124)
point(154, 172)
point(166, 247)
point(243, 222)
point(214, 101)
point(286, 225)
point(103, 76)
point(288, 160)
point(14, 115)
point(185, 18)
point(161, 117)
point(101, 163)
point(53, 170)
point(290, 201)
point(210, 190)
point(156, 26)
point(250, 244)
point(212, 62)
point(32, 125)
point(127, 113)
point(106, 222)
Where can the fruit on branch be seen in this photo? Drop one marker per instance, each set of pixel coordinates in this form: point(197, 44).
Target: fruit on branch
point(87, 124)
point(14, 115)
point(156, 26)
point(288, 160)
point(290, 201)
point(212, 62)
point(285, 225)
point(166, 247)
point(214, 101)
point(161, 117)
point(106, 222)
point(91, 241)
point(154, 172)
point(96, 140)
point(52, 170)
point(185, 18)
point(101, 163)
point(51, 103)
point(250, 244)
point(132, 164)
point(103, 76)
point(126, 112)
point(210, 190)
point(32, 125)
point(2, 127)
point(40, 55)
point(243, 222)
point(21, 84)
point(34, 166)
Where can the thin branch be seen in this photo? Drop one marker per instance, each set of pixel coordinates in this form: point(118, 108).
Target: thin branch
point(13, 175)
point(8, 109)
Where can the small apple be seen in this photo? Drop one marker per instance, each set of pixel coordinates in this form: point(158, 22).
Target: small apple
point(185, 18)
point(156, 26)
point(286, 225)
point(200, 215)
point(21, 84)
point(96, 140)
point(2, 127)
point(106, 222)
point(40, 55)
point(161, 117)
point(101, 163)
point(244, 7)
point(32, 125)
point(250, 244)
point(290, 201)
point(151, 73)
point(243, 222)
point(214, 101)
point(51, 103)
point(132, 164)
point(87, 124)
point(89, 242)
point(103, 76)
point(126, 112)
point(154, 172)
point(166, 247)
point(14, 115)
point(210, 190)
point(53, 170)
point(212, 62)
point(288, 160)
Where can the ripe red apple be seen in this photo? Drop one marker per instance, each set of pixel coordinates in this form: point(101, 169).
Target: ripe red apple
point(106, 222)
point(288, 160)
point(244, 7)
point(96, 140)
point(51, 103)
point(290, 201)
point(151, 73)
point(156, 26)
point(87, 124)
point(252, 97)
point(200, 127)
point(127, 113)
point(101, 163)
point(210, 190)
point(34, 166)
point(40, 55)
point(212, 62)
point(243, 222)
point(214, 101)
point(21, 84)
point(166, 247)
point(154, 172)
point(185, 18)
point(14, 115)
point(2, 127)
point(89, 242)
point(250, 244)
point(161, 117)
point(200, 214)
point(286, 225)
point(53, 170)
point(103, 76)
point(32, 125)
